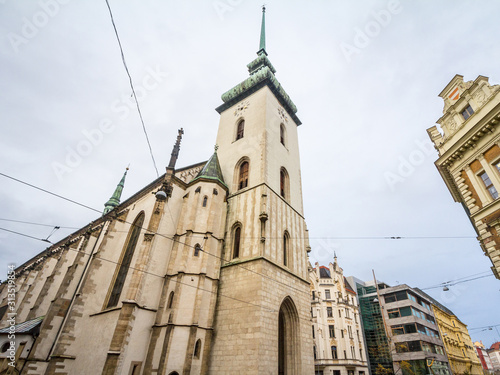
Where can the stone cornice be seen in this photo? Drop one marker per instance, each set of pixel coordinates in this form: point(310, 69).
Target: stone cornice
point(471, 138)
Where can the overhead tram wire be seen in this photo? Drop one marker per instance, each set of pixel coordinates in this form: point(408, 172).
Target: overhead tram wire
point(143, 228)
point(146, 272)
point(132, 87)
point(26, 235)
point(40, 224)
point(173, 239)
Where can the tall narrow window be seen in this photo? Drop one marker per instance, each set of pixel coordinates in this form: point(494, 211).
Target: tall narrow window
point(197, 249)
point(240, 129)
point(236, 242)
point(285, 249)
point(489, 185)
point(125, 261)
point(284, 183)
point(334, 352)
point(282, 134)
point(205, 199)
point(197, 349)
point(331, 331)
point(243, 177)
point(170, 300)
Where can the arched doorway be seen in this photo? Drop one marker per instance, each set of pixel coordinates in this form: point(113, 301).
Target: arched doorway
point(288, 339)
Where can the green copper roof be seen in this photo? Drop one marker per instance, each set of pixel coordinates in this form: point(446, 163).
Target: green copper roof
point(115, 198)
point(261, 74)
point(211, 170)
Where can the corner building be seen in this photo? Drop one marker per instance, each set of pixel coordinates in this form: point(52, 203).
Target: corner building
point(339, 347)
point(227, 293)
point(469, 156)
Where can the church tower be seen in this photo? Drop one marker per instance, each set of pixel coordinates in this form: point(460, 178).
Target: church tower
point(262, 323)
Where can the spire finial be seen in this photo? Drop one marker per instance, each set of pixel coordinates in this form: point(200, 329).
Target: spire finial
point(262, 47)
point(115, 198)
point(175, 151)
point(216, 147)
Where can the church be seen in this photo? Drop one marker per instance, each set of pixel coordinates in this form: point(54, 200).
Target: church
point(203, 271)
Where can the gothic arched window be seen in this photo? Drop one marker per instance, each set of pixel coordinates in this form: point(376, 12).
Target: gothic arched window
point(236, 242)
point(126, 259)
point(284, 183)
point(197, 349)
point(240, 130)
point(205, 199)
point(197, 249)
point(285, 248)
point(243, 176)
point(170, 300)
point(282, 134)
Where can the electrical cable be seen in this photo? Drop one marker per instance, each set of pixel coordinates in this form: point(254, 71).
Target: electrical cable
point(43, 225)
point(174, 240)
point(132, 87)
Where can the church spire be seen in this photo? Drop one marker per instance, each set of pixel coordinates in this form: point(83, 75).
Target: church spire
point(262, 47)
point(175, 150)
point(115, 198)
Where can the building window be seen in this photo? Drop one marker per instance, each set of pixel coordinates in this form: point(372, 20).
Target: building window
point(353, 352)
point(349, 328)
point(347, 313)
point(467, 112)
point(331, 330)
point(197, 349)
point(282, 134)
point(126, 259)
point(314, 352)
point(170, 300)
point(240, 129)
point(340, 313)
point(489, 185)
point(342, 333)
point(334, 352)
point(236, 242)
point(243, 176)
point(205, 200)
point(197, 249)
point(284, 183)
point(285, 248)
point(327, 294)
point(329, 312)
point(5, 347)
point(345, 354)
point(313, 332)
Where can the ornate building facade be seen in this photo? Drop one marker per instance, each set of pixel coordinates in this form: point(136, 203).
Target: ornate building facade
point(469, 156)
point(203, 271)
point(458, 345)
point(339, 345)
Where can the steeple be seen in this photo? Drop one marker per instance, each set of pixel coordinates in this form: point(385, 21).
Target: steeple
point(261, 74)
point(212, 170)
point(262, 47)
point(115, 198)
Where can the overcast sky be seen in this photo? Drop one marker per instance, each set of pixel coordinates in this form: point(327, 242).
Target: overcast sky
point(364, 75)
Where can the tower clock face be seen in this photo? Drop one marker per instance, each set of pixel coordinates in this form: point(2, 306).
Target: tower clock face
point(241, 107)
point(282, 114)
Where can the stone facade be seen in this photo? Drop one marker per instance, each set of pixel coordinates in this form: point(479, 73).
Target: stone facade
point(336, 322)
point(469, 156)
point(457, 342)
point(203, 271)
